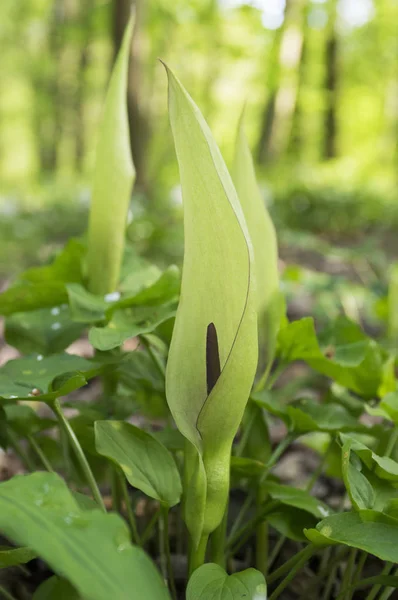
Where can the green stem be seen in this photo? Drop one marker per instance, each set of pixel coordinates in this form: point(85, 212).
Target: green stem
point(389, 590)
point(289, 564)
point(297, 566)
point(81, 457)
point(359, 569)
point(279, 450)
point(376, 588)
point(166, 551)
point(45, 462)
point(261, 535)
point(129, 509)
point(267, 380)
point(391, 442)
point(149, 528)
point(246, 531)
point(19, 450)
point(276, 550)
point(345, 591)
point(218, 541)
point(6, 594)
point(308, 487)
point(155, 359)
point(116, 491)
point(198, 555)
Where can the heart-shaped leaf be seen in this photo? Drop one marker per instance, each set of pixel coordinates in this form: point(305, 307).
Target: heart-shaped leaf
point(343, 353)
point(367, 530)
point(211, 581)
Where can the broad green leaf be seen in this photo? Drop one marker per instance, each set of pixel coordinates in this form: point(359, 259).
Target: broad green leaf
point(358, 486)
point(42, 287)
point(39, 372)
point(383, 466)
point(302, 416)
point(89, 548)
point(297, 498)
point(343, 353)
point(56, 588)
point(25, 421)
point(163, 290)
point(113, 180)
point(128, 323)
point(146, 463)
point(246, 467)
point(366, 530)
point(84, 306)
point(387, 408)
point(263, 236)
point(210, 581)
point(291, 521)
point(257, 444)
point(46, 378)
point(10, 557)
point(46, 331)
point(213, 353)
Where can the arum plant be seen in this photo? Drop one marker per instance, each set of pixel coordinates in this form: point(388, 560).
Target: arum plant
point(263, 236)
point(213, 353)
point(113, 180)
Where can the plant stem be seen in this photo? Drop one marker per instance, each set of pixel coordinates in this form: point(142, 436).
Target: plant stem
point(149, 528)
point(280, 448)
point(19, 450)
point(116, 491)
point(245, 532)
point(267, 380)
point(129, 509)
point(391, 442)
point(276, 550)
point(376, 588)
point(289, 564)
point(308, 488)
point(345, 592)
point(359, 569)
point(218, 542)
point(81, 457)
point(198, 555)
point(166, 550)
point(155, 359)
point(6, 594)
point(389, 590)
point(40, 453)
point(261, 535)
point(301, 559)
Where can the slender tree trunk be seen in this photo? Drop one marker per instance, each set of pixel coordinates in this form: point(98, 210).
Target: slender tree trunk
point(47, 108)
point(86, 23)
point(138, 118)
point(273, 78)
point(331, 86)
point(296, 140)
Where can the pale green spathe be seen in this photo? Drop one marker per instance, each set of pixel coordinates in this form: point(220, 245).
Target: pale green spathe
point(217, 287)
point(263, 236)
point(113, 179)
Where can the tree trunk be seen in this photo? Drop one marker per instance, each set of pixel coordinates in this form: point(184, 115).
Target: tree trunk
point(274, 72)
point(331, 85)
point(86, 24)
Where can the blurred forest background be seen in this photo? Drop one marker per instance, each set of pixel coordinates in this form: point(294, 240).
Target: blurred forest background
point(320, 82)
